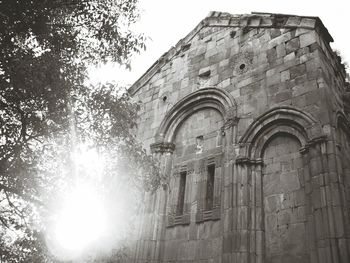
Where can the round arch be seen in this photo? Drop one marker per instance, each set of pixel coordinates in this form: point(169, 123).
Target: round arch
point(283, 119)
point(342, 121)
point(264, 140)
point(205, 98)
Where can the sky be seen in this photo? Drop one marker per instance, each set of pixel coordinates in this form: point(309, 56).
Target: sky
point(165, 22)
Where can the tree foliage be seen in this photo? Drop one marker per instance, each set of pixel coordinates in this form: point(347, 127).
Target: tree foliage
point(47, 107)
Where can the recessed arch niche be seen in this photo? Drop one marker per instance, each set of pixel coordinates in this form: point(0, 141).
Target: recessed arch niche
point(284, 199)
point(283, 118)
point(192, 131)
point(343, 150)
point(272, 159)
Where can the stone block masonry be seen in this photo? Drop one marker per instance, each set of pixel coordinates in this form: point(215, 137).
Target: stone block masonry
point(249, 118)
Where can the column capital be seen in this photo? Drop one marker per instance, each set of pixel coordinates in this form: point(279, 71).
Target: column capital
point(229, 124)
point(314, 141)
point(245, 160)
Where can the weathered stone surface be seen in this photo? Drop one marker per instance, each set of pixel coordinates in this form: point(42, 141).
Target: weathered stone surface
point(262, 99)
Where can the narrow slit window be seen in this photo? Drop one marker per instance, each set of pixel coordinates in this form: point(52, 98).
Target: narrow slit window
point(209, 198)
point(181, 198)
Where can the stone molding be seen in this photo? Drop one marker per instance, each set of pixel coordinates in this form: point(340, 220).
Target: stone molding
point(175, 220)
point(188, 167)
point(201, 214)
point(314, 141)
point(210, 159)
point(208, 215)
point(241, 160)
point(162, 147)
point(342, 121)
point(282, 119)
point(278, 113)
point(230, 123)
point(210, 97)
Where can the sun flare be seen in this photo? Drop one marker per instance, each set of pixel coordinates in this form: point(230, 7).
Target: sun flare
point(89, 216)
point(82, 219)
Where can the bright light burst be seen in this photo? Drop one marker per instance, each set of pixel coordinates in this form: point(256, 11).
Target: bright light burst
point(89, 160)
point(81, 215)
point(93, 215)
point(82, 219)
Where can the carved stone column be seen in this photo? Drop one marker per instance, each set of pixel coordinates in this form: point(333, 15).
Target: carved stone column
point(229, 202)
point(229, 134)
point(252, 185)
point(151, 244)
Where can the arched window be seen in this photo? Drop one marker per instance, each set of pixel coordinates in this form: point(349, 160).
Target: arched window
point(193, 128)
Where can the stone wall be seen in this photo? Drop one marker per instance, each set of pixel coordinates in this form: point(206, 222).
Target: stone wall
point(261, 99)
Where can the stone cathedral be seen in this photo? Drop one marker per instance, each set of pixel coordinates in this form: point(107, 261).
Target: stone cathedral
point(249, 117)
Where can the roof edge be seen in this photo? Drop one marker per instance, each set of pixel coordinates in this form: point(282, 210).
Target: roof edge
point(222, 19)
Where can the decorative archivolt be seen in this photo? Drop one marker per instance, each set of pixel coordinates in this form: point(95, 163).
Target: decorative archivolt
point(206, 98)
point(342, 121)
point(278, 120)
point(342, 126)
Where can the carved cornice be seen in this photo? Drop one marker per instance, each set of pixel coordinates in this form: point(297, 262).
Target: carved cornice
point(241, 160)
point(313, 142)
point(316, 140)
point(162, 147)
point(303, 150)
